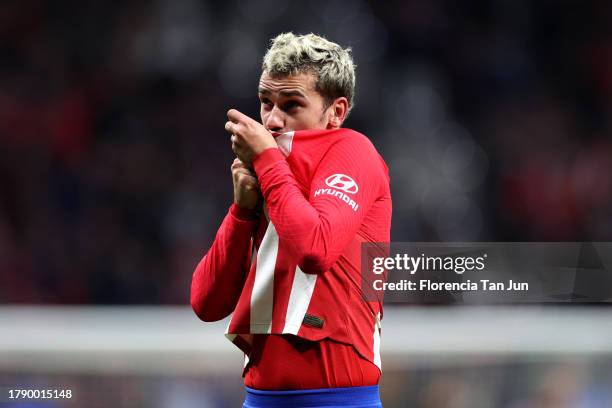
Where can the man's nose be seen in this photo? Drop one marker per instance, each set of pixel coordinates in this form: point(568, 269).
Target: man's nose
point(275, 120)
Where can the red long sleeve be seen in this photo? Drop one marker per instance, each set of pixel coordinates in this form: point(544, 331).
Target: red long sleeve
point(318, 229)
point(219, 277)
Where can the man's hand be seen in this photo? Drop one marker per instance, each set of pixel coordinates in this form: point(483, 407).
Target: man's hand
point(249, 137)
point(246, 187)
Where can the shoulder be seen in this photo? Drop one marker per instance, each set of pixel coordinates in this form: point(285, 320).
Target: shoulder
point(352, 142)
point(356, 148)
point(352, 137)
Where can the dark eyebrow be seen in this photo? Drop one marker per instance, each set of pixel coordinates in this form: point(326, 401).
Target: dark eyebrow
point(262, 91)
point(292, 93)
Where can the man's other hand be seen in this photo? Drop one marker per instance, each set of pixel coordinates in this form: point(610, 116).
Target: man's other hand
point(246, 187)
point(249, 137)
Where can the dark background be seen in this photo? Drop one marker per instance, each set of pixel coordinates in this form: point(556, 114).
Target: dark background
point(494, 118)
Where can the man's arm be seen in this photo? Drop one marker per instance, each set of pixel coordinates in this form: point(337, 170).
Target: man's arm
point(319, 229)
point(219, 277)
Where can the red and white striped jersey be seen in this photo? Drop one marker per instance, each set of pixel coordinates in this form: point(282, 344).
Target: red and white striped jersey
point(325, 192)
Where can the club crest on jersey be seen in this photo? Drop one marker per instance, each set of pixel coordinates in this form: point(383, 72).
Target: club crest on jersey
point(340, 185)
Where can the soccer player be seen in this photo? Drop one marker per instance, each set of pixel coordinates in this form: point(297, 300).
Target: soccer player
point(286, 259)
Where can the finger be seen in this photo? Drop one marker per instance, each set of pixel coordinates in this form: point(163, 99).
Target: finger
point(229, 127)
point(247, 181)
point(245, 173)
point(240, 168)
point(252, 187)
point(236, 116)
point(239, 164)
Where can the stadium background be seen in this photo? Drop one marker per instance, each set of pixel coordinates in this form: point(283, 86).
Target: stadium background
point(494, 117)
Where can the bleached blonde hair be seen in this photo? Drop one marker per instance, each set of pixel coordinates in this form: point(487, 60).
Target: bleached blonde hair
point(333, 66)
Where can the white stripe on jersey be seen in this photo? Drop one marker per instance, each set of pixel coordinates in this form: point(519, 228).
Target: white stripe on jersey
point(299, 299)
point(376, 346)
point(262, 296)
point(285, 142)
point(263, 287)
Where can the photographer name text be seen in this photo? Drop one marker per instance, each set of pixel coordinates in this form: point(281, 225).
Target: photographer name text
point(468, 285)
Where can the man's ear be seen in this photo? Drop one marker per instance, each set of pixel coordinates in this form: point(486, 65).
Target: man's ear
point(338, 111)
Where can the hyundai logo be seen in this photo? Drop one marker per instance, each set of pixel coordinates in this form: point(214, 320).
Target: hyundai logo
point(342, 182)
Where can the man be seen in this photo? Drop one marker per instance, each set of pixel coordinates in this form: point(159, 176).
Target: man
point(286, 259)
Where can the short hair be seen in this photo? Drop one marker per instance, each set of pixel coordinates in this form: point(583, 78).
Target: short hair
point(332, 65)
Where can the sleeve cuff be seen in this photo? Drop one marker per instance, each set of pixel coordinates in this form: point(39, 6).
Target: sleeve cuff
point(243, 214)
point(266, 159)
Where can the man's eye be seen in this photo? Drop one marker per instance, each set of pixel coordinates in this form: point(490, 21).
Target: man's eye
point(290, 105)
point(266, 103)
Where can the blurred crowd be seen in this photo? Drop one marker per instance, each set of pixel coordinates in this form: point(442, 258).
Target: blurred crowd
point(494, 118)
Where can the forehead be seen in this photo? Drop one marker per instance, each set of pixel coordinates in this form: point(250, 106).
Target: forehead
point(303, 82)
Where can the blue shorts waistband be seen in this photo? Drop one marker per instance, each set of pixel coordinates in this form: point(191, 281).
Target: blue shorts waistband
point(349, 397)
